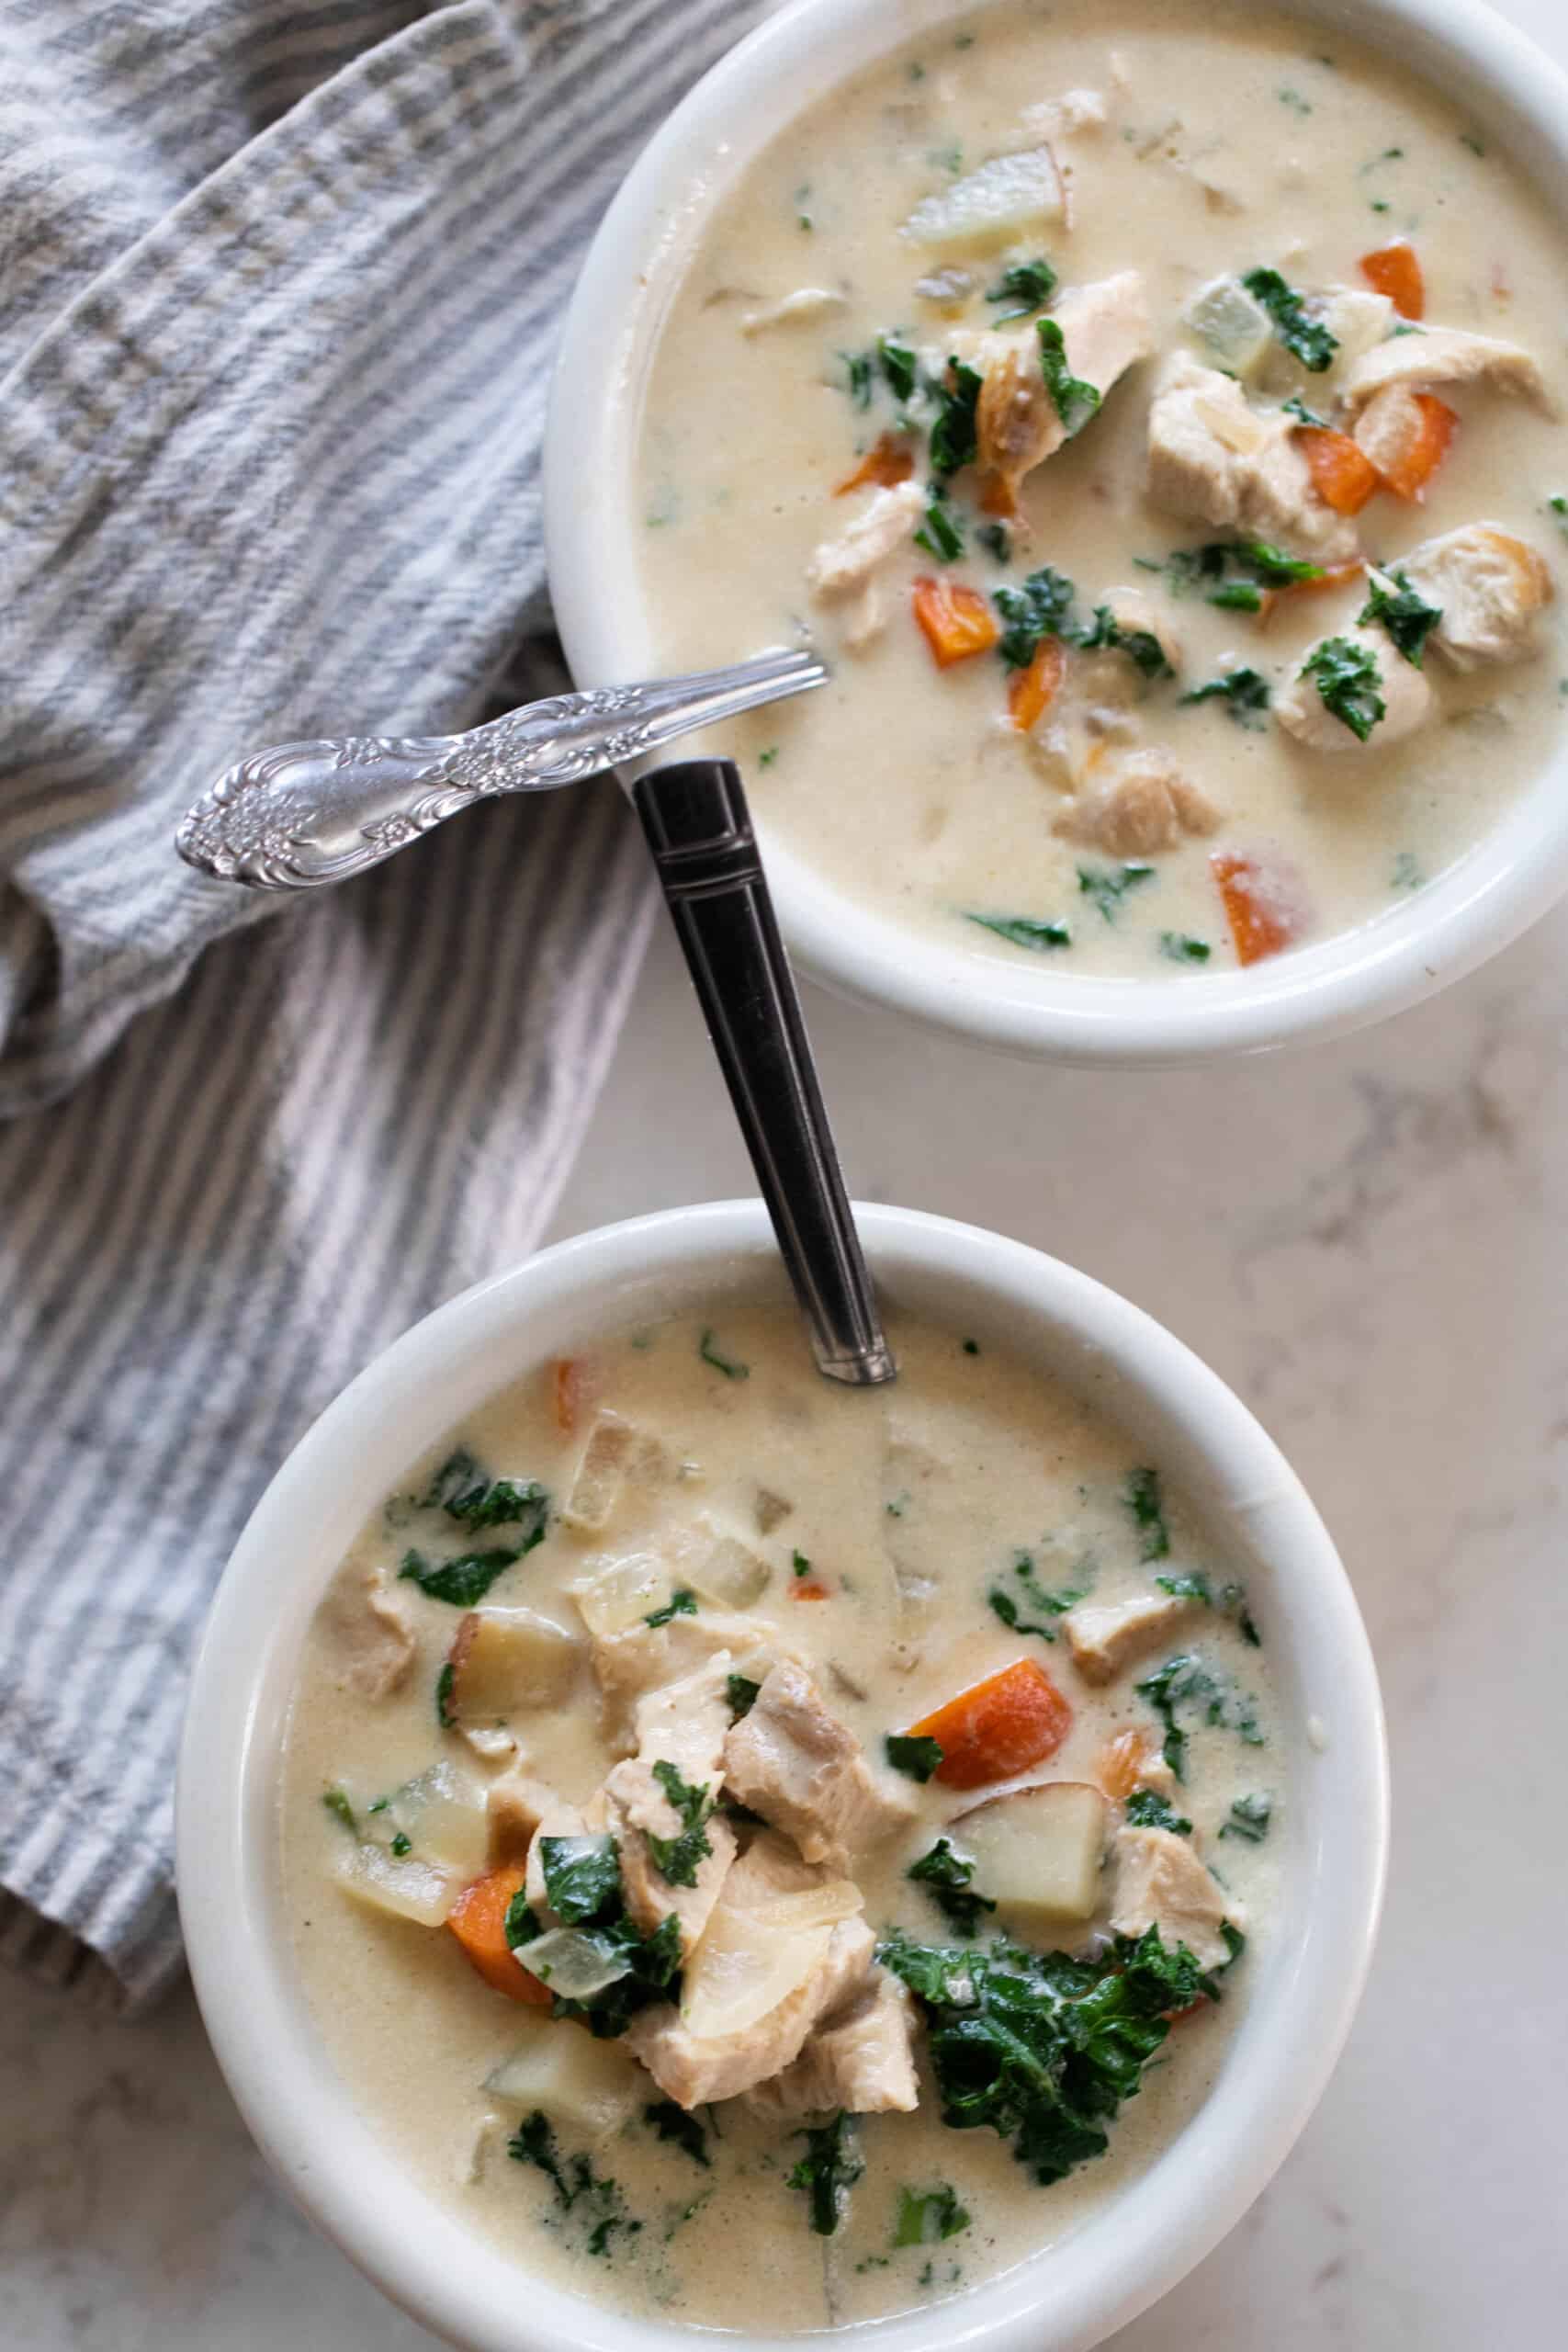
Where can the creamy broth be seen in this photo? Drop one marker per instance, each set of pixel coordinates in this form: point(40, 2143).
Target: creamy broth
point(1194, 145)
point(894, 1532)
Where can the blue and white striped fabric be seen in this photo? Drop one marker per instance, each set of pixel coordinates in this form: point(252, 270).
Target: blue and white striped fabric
point(278, 293)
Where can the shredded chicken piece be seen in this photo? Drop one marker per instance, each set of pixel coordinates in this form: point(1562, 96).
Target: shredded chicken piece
point(1216, 458)
point(1407, 699)
point(1436, 357)
point(372, 1629)
point(797, 1765)
point(1161, 1882)
point(842, 566)
point(805, 302)
point(637, 1806)
point(1074, 110)
point(1491, 587)
point(1149, 807)
point(861, 2058)
point(776, 1976)
point(1103, 1641)
point(1105, 330)
point(647, 1657)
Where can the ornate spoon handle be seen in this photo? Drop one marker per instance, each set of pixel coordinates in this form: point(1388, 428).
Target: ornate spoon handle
point(305, 813)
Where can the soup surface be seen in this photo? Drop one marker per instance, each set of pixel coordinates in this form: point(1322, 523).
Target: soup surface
point(1154, 413)
point(690, 1683)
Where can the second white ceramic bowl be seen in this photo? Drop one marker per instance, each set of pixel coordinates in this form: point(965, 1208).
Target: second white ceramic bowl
point(1304, 1980)
point(1514, 94)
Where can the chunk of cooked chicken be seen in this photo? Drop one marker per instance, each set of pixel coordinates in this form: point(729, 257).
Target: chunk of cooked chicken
point(686, 1722)
point(1146, 807)
point(1406, 698)
point(785, 1946)
point(1436, 357)
point(841, 567)
point(861, 2058)
point(1161, 1882)
point(1074, 110)
point(1357, 319)
point(371, 1628)
point(797, 1765)
point(1490, 586)
point(637, 1806)
point(644, 1657)
point(1103, 1641)
point(1216, 458)
point(1105, 330)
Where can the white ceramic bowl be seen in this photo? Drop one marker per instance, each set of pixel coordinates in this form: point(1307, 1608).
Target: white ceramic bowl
point(1520, 869)
point(1306, 1984)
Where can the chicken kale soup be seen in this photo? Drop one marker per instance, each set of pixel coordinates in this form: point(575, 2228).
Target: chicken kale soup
point(720, 1806)
point(1154, 415)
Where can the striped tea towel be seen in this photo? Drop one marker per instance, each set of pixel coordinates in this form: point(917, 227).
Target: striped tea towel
point(278, 293)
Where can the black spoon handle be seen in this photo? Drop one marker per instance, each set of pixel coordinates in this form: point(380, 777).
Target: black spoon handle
point(699, 829)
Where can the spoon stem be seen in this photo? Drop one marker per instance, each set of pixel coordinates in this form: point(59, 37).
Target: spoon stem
point(699, 829)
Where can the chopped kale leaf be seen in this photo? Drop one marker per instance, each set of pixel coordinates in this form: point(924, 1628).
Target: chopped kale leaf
point(928, 2216)
point(857, 367)
point(997, 540)
point(941, 533)
point(1073, 398)
point(1105, 633)
point(401, 1843)
point(672, 2122)
point(1107, 886)
point(1026, 931)
point(1028, 286)
point(1141, 1497)
point(909, 1753)
point(337, 1804)
point(1180, 947)
point(897, 362)
point(683, 1602)
point(742, 1693)
point(443, 1681)
point(1032, 1594)
point(946, 1877)
point(463, 1582)
point(731, 1366)
point(1148, 1810)
point(582, 1876)
point(1306, 338)
point(1037, 607)
point(1250, 1819)
point(1244, 692)
point(1347, 678)
point(1187, 1681)
point(1039, 2048)
point(521, 1922)
point(1404, 612)
point(676, 1858)
point(826, 2172)
point(953, 436)
point(574, 2181)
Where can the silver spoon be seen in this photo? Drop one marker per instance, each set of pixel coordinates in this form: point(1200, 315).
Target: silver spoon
point(305, 813)
point(699, 829)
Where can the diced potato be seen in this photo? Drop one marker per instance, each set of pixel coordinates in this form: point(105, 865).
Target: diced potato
point(589, 2086)
point(410, 1888)
point(1037, 1853)
point(1004, 197)
point(1235, 330)
point(726, 1570)
point(770, 1510)
point(503, 1659)
point(596, 1488)
point(623, 1592)
point(442, 1813)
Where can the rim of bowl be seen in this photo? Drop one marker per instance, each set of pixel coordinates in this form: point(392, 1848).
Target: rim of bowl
point(1298, 2009)
point(1505, 883)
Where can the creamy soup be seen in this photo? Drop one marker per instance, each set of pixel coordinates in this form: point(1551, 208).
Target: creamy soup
point(722, 1810)
point(1153, 414)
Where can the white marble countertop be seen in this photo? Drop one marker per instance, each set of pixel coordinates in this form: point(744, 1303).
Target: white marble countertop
point(1369, 1240)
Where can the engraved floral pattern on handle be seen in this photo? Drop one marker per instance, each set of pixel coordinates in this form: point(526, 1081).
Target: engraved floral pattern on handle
point(300, 814)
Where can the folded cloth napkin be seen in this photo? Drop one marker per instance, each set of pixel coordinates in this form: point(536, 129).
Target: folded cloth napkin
point(278, 291)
